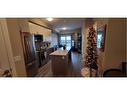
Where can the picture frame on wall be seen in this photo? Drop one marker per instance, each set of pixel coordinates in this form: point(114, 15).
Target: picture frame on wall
point(101, 35)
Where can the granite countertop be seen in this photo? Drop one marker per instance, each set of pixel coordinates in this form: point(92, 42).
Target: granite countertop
point(60, 52)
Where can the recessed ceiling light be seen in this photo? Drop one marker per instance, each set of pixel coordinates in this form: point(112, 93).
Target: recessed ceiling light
point(64, 28)
point(49, 19)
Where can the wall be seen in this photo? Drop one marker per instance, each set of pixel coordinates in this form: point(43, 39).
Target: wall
point(97, 23)
point(126, 44)
point(54, 38)
point(23, 24)
point(75, 36)
point(83, 41)
point(126, 39)
point(115, 43)
point(17, 50)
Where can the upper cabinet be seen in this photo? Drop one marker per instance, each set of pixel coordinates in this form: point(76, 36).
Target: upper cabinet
point(26, 26)
point(36, 29)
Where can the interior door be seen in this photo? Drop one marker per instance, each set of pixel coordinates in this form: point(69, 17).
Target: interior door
point(4, 61)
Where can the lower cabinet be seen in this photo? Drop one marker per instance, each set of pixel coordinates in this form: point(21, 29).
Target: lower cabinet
point(32, 69)
point(59, 65)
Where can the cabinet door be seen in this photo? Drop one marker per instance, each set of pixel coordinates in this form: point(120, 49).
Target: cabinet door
point(33, 28)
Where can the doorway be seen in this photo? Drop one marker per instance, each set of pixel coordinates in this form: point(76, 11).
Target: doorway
point(6, 56)
point(4, 62)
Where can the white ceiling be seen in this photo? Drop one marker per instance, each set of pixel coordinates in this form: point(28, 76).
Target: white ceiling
point(70, 23)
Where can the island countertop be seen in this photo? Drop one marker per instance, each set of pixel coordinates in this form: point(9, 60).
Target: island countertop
point(59, 59)
point(60, 52)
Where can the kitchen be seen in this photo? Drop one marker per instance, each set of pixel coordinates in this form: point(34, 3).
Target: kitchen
point(50, 44)
point(36, 47)
point(40, 55)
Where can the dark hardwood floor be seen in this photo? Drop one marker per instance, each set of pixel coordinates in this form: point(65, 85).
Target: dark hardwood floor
point(74, 67)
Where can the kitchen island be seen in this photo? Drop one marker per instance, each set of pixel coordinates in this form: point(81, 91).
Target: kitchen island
point(59, 59)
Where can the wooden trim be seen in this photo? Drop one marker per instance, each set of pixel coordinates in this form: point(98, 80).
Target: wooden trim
point(104, 30)
point(39, 25)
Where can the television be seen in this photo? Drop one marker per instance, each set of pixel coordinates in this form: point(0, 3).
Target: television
point(38, 37)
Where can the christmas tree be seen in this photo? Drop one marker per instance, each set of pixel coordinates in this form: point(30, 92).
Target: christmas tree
point(91, 50)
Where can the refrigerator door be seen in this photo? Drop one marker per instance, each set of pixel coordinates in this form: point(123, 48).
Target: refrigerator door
point(29, 53)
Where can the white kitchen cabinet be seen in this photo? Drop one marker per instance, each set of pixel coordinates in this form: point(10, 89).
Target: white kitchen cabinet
point(35, 29)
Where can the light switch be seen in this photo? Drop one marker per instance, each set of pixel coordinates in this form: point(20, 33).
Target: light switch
point(17, 58)
point(63, 57)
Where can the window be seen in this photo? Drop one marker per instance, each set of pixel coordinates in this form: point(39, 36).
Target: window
point(63, 40)
point(66, 40)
